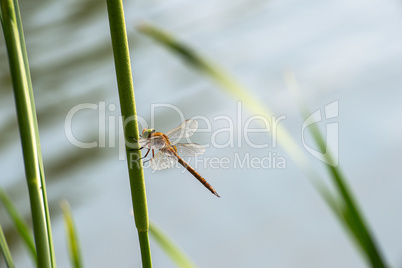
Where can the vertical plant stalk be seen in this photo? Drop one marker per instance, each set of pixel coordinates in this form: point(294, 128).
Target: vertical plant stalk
point(4, 249)
point(28, 126)
point(128, 111)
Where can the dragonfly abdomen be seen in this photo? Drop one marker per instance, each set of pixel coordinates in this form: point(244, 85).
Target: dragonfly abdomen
point(196, 175)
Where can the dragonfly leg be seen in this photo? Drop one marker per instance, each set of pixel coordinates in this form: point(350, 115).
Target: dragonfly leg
point(146, 154)
point(134, 149)
point(150, 158)
point(153, 154)
point(143, 156)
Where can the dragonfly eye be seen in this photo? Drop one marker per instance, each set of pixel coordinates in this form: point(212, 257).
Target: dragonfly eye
point(146, 133)
point(143, 131)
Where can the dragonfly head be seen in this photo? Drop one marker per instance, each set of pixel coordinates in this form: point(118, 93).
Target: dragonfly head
point(146, 133)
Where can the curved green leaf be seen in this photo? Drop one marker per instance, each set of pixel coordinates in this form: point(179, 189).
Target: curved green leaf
point(72, 236)
point(5, 250)
point(170, 248)
point(19, 223)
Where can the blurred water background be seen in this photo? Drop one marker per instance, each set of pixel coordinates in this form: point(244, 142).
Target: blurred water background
point(346, 51)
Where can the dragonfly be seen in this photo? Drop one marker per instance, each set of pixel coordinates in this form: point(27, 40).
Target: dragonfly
point(170, 149)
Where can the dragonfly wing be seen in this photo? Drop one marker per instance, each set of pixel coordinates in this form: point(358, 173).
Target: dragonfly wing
point(163, 160)
point(155, 143)
point(189, 149)
point(143, 142)
point(185, 130)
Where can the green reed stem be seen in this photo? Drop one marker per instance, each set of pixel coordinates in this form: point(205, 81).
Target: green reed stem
point(128, 111)
point(27, 121)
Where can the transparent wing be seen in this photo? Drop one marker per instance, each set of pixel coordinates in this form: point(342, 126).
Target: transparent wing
point(155, 143)
point(143, 143)
point(185, 130)
point(163, 160)
point(189, 149)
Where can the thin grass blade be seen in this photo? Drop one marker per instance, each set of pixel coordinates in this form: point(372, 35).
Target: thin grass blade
point(4, 249)
point(19, 223)
point(173, 251)
point(72, 236)
point(351, 214)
